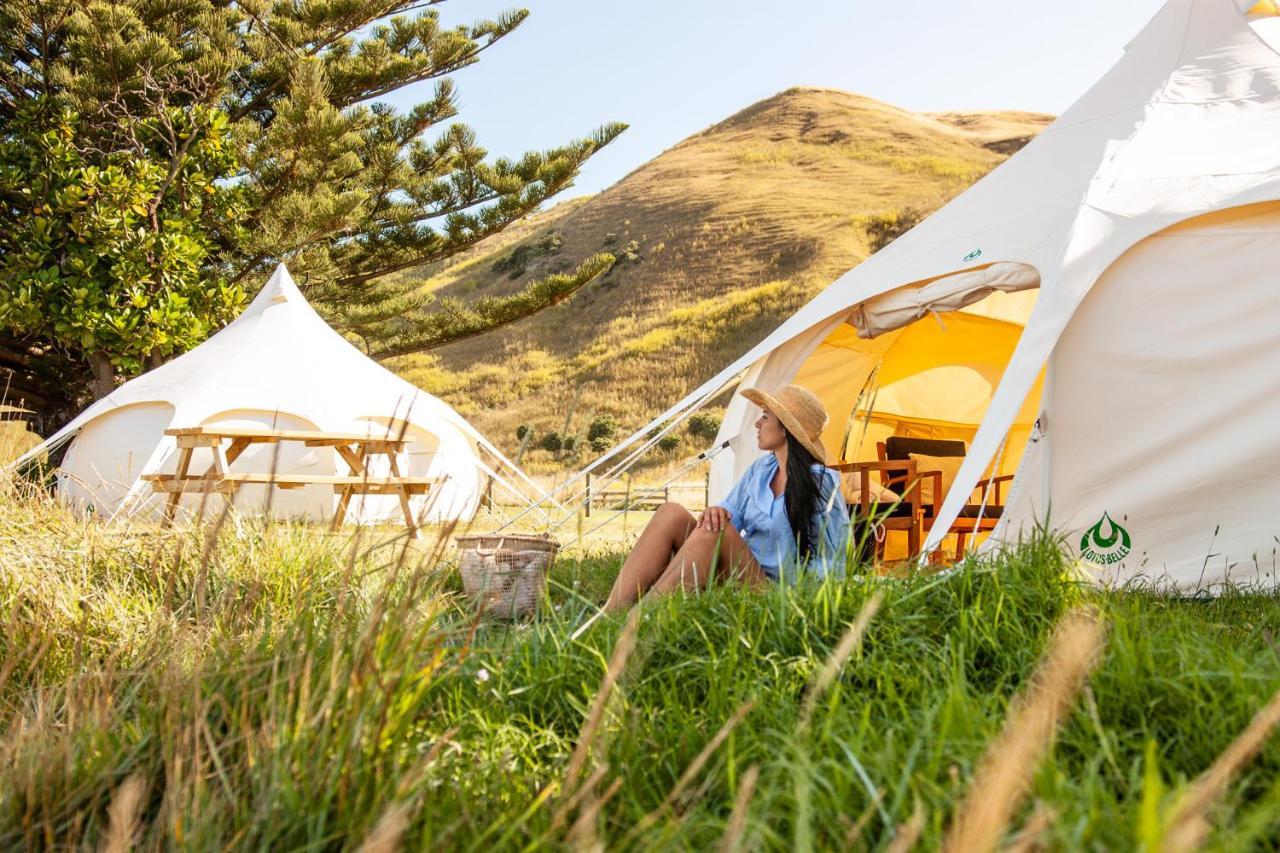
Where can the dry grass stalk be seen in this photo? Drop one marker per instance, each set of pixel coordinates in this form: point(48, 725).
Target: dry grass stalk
point(571, 802)
point(586, 738)
point(907, 834)
point(857, 827)
point(123, 815)
point(848, 644)
point(1029, 837)
point(1005, 771)
point(695, 767)
point(737, 823)
point(1189, 824)
point(582, 835)
point(386, 834)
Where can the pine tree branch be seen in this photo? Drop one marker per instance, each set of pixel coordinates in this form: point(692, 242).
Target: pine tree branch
point(456, 321)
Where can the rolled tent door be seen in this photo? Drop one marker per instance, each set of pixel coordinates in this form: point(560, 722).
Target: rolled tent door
point(905, 305)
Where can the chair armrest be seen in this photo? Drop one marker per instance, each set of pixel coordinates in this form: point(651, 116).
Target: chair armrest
point(911, 495)
point(883, 465)
point(983, 485)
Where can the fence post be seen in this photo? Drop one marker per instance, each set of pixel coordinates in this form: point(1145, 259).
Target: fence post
point(626, 505)
point(706, 492)
point(588, 495)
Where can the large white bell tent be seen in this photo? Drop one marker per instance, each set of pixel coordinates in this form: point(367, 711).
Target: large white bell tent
point(277, 366)
point(1100, 314)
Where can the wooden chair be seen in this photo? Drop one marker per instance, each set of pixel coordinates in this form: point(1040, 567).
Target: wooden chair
point(906, 515)
point(974, 518)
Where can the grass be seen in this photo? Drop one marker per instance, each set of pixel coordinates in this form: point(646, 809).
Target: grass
point(271, 687)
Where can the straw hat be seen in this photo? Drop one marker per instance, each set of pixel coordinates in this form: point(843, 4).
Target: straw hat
point(800, 411)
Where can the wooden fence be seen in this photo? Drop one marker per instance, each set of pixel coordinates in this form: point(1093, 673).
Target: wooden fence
point(623, 495)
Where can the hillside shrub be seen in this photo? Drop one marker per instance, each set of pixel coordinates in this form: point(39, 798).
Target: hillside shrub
point(704, 425)
point(882, 229)
point(552, 441)
point(604, 426)
point(669, 442)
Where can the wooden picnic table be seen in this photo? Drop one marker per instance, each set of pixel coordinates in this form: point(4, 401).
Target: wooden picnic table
point(355, 448)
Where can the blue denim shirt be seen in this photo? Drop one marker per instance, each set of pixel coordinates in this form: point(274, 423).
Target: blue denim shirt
point(762, 520)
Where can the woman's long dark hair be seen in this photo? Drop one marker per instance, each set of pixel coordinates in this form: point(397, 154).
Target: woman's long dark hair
point(801, 495)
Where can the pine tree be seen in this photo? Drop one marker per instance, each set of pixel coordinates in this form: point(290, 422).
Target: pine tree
point(211, 139)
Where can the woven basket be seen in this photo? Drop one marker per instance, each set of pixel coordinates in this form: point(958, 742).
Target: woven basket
point(505, 575)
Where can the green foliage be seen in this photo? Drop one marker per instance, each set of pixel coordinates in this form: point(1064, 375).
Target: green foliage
point(669, 442)
point(600, 444)
point(271, 688)
point(523, 431)
point(110, 257)
point(704, 425)
point(569, 444)
point(603, 426)
point(209, 140)
point(552, 441)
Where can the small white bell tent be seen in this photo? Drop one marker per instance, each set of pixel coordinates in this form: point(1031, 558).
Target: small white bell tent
point(277, 366)
point(1100, 314)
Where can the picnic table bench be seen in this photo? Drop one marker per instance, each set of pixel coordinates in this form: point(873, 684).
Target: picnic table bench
point(355, 448)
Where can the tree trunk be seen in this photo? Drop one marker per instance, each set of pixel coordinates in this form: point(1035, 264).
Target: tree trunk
point(104, 375)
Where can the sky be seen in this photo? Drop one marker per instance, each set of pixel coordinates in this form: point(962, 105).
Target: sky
point(670, 68)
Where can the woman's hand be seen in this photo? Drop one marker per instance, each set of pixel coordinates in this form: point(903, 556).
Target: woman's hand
point(715, 519)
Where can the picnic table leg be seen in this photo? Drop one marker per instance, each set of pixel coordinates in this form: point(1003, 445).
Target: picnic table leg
point(184, 462)
point(237, 447)
point(211, 476)
point(404, 498)
point(352, 458)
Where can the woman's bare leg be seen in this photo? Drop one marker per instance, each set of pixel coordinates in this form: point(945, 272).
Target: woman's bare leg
point(704, 551)
point(665, 534)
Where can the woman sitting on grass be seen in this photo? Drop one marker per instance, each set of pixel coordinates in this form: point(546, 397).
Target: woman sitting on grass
point(786, 510)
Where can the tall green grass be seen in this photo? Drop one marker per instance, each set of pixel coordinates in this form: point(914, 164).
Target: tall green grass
point(262, 687)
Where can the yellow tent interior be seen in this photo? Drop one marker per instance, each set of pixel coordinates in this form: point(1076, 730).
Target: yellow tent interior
point(933, 378)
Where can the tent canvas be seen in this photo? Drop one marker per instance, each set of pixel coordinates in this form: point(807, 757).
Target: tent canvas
point(280, 366)
point(1114, 206)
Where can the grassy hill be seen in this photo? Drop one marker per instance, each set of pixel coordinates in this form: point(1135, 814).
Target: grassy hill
point(718, 239)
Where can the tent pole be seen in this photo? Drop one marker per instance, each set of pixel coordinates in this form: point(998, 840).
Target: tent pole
point(1046, 394)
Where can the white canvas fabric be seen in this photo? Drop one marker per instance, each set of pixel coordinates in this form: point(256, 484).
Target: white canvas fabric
point(904, 306)
point(278, 365)
point(1182, 126)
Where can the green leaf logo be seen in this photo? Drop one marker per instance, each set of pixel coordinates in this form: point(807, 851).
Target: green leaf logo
point(1106, 542)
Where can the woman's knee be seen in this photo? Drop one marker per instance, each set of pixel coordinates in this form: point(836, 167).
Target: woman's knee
point(673, 510)
point(673, 515)
point(711, 541)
